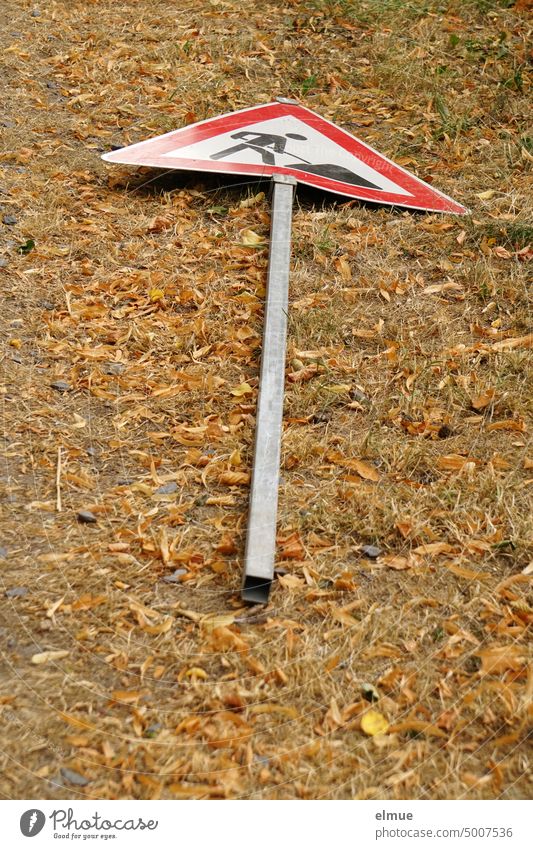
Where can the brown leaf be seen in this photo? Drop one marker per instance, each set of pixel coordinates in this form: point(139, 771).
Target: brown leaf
point(496, 659)
point(291, 547)
point(365, 470)
point(434, 548)
point(419, 727)
point(234, 478)
point(454, 462)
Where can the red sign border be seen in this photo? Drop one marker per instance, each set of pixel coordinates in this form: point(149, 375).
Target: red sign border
point(151, 152)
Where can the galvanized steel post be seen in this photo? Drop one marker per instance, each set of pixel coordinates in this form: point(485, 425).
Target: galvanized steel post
point(262, 517)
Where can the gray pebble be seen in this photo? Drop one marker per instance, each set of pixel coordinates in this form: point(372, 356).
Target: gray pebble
point(113, 368)
point(175, 577)
point(86, 517)
point(3, 551)
point(15, 592)
point(35, 13)
point(61, 386)
point(73, 777)
point(3, 262)
point(371, 551)
point(167, 488)
point(9, 219)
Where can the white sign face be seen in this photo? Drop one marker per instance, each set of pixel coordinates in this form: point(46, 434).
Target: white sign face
point(287, 142)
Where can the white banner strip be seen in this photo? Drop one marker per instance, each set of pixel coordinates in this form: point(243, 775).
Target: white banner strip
point(309, 824)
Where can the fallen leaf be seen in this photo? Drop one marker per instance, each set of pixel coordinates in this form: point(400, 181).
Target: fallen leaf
point(434, 548)
point(419, 727)
point(365, 470)
point(47, 656)
point(496, 659)
point(234, 478)
point(251, 239)
point(373, 722)
point(453, 462)
point(241, 390)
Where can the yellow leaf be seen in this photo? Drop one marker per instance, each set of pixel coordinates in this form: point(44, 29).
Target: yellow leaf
point(47, 656)
point(251, 239)
point(242, 389)
point(156, 294)
point(373, 722)
point(235, 458)
point(253, 201)
point(196, 672)
point(486, 195)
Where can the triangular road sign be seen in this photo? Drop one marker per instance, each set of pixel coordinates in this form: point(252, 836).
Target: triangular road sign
point(286, 138)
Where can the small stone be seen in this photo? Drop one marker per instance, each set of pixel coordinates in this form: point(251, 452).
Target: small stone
point(47, 305)
point(35, 13)
point(86, 517)
point(7, 124)
point(93, 452)
point(371, 551)
point(61, 386)
point(15, 592)
point(3, 262)
point(73, 777)
point(113, 368)
point(175, 577)
point(153, 729)
point(359, 396)
point(9, 219)
point(369, 692)
point(167, 488)
point(3, 551)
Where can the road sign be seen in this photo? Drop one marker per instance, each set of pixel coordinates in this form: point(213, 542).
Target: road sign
point(286, 138)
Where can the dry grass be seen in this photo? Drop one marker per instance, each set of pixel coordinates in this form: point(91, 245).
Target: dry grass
point(405, 321)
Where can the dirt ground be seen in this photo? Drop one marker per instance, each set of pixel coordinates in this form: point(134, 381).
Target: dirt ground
point(131, 330)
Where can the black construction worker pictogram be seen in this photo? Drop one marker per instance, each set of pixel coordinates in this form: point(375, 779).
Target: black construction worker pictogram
point(268, 145)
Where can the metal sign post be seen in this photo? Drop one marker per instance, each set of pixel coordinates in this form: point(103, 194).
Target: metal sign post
point(262, 517)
